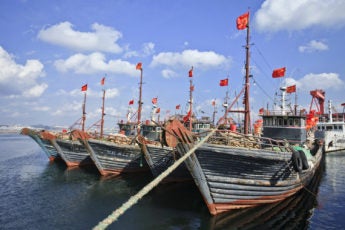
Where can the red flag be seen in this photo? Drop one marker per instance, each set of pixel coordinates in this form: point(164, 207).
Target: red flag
point(223, 82)
point(158, 110)
point(213, 103)
point(131, 102)
point(190, 73)
point(154, 100)
point(261, 111)
point(242, 21)
point(278, 72)
point(178, 106)
point(84, 87)
point(102, 81)
point(139, 66)
point(291, 89)
point(186, 118)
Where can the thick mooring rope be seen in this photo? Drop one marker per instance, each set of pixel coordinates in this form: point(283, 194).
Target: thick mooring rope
point(134, 199)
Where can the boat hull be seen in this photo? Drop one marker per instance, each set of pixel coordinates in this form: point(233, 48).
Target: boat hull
point(114, 159)
point(44, 142)
point(159, 158)
point(334, 140)
point(233, 178)
point(73, 153)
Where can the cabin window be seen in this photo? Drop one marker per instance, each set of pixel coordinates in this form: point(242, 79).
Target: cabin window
point(285, 122)
point(340, 127)
point(290, 122)
point(296, 122)
point(335, 127)
point(280, 122)
point(329, 127)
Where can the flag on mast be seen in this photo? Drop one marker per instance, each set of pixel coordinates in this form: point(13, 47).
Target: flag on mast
point(84, 88)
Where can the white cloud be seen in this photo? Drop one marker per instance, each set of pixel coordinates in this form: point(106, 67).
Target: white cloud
point(325, 81)
point(313, 46)
point(189, 58)
point(111, 93)
point(17, 79)
point(147, 49)
point(168, 73)
point(35, 91)
point(95, 63)
point(275, 15)
point(103, 38)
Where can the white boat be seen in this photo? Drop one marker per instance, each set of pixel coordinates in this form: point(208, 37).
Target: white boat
point(332, 130)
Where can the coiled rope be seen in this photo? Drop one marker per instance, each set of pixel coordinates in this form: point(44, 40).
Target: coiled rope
point(134, 199)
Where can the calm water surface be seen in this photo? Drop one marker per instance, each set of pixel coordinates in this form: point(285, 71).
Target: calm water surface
point(36, 194)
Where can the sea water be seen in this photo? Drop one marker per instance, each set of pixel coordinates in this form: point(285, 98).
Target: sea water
point(38, 194)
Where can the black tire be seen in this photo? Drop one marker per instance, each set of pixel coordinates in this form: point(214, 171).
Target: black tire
point(297, 161)
point(304, 159)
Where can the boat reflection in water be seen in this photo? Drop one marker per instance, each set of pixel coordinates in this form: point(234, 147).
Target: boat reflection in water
point(291, 213)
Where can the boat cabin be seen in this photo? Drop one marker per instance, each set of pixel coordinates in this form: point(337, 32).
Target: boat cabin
point(289, 127)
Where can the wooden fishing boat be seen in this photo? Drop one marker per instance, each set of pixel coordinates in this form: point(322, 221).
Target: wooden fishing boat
point(160, 157)
point(116, 154)
point(235, 171)
point(72, 152)
point(46, 140)
point(291, 213)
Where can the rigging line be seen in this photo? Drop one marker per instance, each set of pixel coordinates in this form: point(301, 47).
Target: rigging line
point(264, 73)
point(269, 66)
point(263, 90)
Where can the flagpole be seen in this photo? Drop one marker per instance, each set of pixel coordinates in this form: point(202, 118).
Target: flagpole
point(247, 108)
point(84, 114)
point(140, 98)
point(191, 102)
point(102, 120)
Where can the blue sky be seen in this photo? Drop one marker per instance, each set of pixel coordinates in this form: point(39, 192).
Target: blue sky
point(49, 49)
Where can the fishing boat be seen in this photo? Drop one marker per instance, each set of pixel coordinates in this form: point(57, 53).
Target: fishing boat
point(116, 154)
point(239, 170)
point(46, 140)
point(72, 152)
point(331, 129)
point(160, 157)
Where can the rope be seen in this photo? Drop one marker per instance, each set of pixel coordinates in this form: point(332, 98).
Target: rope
point(134, 199)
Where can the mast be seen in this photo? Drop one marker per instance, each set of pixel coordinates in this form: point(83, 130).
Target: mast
point(214, 112)
point(246, 92)
point(139, 67)
point(191, 87)
point(225, 105)
point(102, 119)
point(84, 114)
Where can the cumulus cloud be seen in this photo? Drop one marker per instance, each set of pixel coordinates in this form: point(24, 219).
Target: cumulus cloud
point(313, 46)
point(102, 39)
point(206, 59)
point(275, 15)
point(20, 80)
point(94, 63)
point(325, 81)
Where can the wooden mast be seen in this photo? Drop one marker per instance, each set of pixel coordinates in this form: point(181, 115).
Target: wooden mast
point(246, 91)
point(102, 119)
point(84, 114)
point(190, 104)
point(139, 67)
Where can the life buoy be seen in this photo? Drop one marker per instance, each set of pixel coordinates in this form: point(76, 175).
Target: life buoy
point(304, 159)
point(297, 161)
